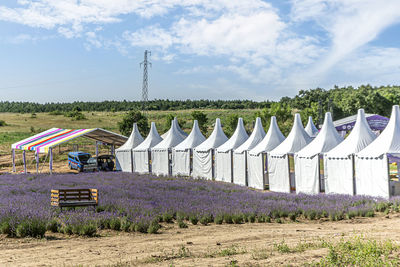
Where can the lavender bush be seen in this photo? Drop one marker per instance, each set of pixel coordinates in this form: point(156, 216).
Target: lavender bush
point(132, 202)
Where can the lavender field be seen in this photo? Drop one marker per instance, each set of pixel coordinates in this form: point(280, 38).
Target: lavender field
point(131, 202)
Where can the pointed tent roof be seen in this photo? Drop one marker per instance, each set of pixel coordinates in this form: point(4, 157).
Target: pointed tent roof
point(271, 140)
point(152, 139)
point(256, 137)
point(181, 132)
point(194, 139)
point(388, 141)
point(310, 128)
point(360, 137)
point(327, 139)
point(173, 138)
point(296, 140)
point(239, 137)
point(216, 138)
point(133, 141)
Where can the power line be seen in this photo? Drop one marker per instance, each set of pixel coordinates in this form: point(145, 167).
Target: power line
point(145, 88)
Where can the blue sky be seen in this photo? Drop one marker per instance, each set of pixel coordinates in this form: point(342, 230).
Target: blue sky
point(89, 50)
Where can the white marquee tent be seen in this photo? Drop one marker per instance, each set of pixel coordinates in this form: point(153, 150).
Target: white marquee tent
point(280, 177)
point(161, 153)
point(310, 128)
point(182, 163)
point(307, 161)
point(339, 162)
point(141, 153)
point(255, 158)
point(240, 154)
point(372, 163)
point(181, 132)
point(224, 153)
point(123, 155)
point(203, 155)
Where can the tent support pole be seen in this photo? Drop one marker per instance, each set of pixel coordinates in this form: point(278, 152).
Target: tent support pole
point(231, 152)
point(51, 160)
point(245, 169)
point(131, 161)
point(13, 159)
point(354, 175)
point(264, 162)
point(388, 174)
point(212, 164)
point(112, 150)
point(24, 159)
point(37, 161)
point(97, 149)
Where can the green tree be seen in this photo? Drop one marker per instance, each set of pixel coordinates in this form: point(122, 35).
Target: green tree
point(134, 116)
point(202, 119)
point(230, 124)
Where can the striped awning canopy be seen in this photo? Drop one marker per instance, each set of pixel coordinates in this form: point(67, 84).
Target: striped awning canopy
point(43, 141)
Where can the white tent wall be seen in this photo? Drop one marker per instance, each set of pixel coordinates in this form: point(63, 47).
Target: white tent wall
point(161, 153)
point(240, 168)
point(339, 162)
point(181, 162)
point(203, 164)
point(255, 165)
point(224, 153)
point(123, 160)
point(257, 160)
point(278, 171)
point(308, 176)
point(224, 166)
point(141, 161)
point(204, 154)
point(339, 177)
point(279, 175)
point(373, 176)
point(182, 159)
point(160, 161)
point(240, 154)
point(142, 155)
point(123, 155)
point(307, 173)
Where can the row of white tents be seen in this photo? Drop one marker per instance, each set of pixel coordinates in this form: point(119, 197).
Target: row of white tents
point(306, 161)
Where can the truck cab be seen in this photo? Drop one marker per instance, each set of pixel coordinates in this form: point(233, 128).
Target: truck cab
point(80, 161)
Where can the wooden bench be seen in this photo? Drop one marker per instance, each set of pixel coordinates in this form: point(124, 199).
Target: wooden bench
point(74, 197)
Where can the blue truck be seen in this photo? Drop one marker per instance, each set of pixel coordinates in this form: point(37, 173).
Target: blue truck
point(82, 161)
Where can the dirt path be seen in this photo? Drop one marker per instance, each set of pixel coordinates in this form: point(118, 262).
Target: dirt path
point(213, 245)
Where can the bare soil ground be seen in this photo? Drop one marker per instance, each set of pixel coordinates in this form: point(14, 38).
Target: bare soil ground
point(214, 245)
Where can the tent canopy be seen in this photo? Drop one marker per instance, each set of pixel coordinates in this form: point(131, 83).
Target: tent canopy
point(238, 138)
point(152, 139)
point(327, 139)
point(388, 141)
point(296, 140)
point(360, 137)
point(42, 142)
point(180, 131)
point(194, 139)
point(173, 138)
point(216, 138)
point(271, 140)
point(310, 128)
point(376, 122)
point(133, 141)
point(255, 138)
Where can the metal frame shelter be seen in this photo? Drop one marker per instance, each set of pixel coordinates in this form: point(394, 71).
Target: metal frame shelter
point(44, 142)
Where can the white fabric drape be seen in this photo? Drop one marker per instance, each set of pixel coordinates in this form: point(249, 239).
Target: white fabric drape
point(141, 161)
point(160, 162)
point(240, 168)
point(372, 176)
point(123, 160)
point(202, 164)
point(181, 162)
point(255, 171)
point(339, 175)
point(307, 174)
point(278, 170)
point(223, 166)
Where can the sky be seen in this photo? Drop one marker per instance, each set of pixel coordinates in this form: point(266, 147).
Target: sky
point(90, 50)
